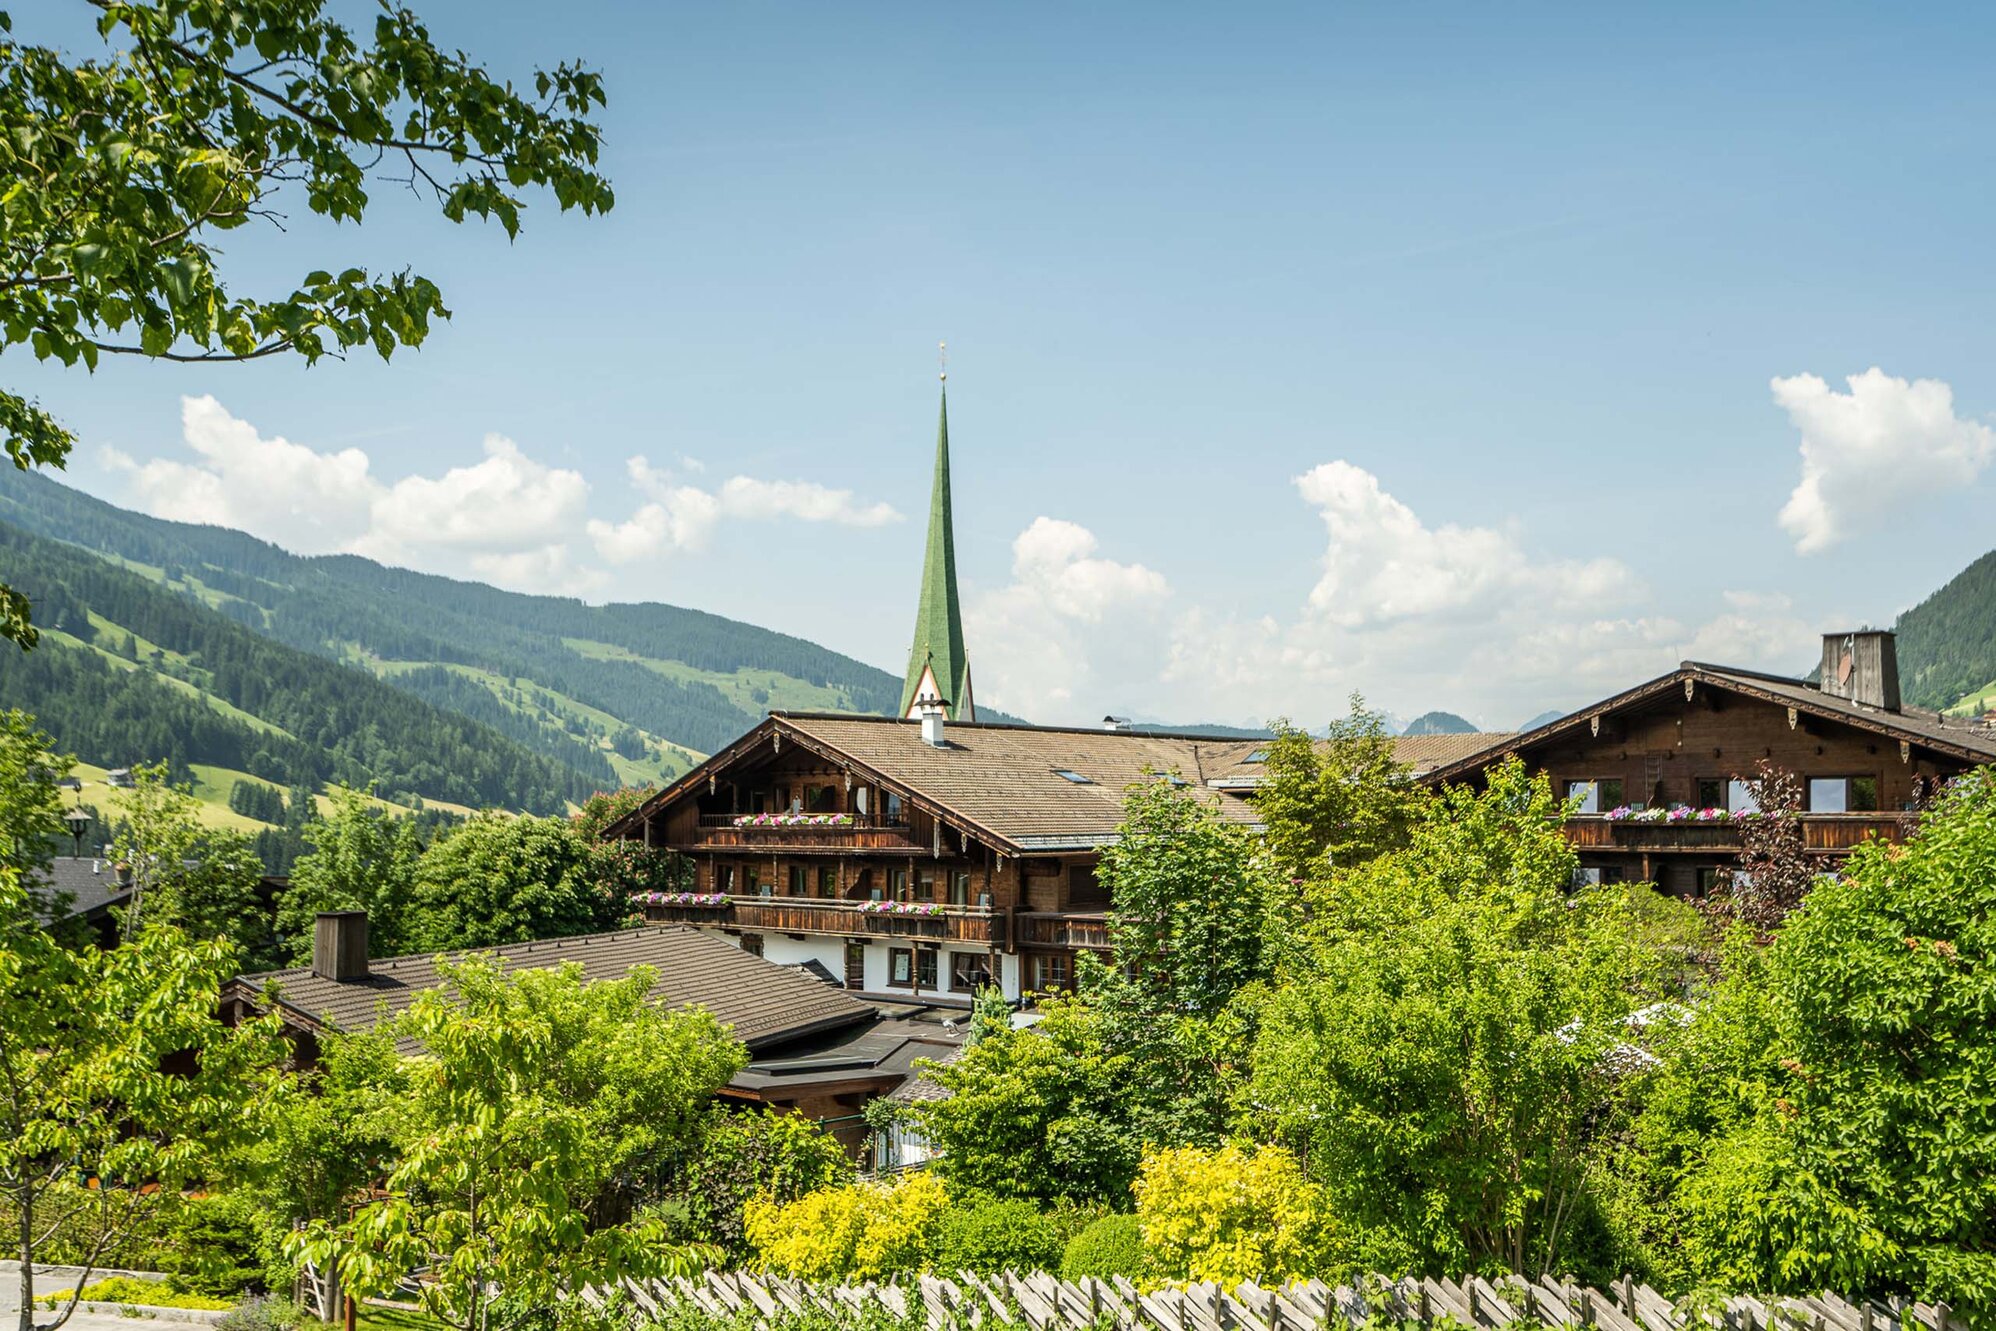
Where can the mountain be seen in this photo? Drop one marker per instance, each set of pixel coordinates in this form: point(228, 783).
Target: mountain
point(1206, 731)
point(129, 672)
point(618, 694)
point(1542, 718)
point(1439, 723)
point(1947, 643)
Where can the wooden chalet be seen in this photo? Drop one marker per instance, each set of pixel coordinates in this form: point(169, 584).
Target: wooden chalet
point(1659, 772)
point(927, 858)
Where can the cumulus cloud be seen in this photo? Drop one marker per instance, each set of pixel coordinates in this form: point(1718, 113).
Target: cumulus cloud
point(507, 518)
point(1873, 450)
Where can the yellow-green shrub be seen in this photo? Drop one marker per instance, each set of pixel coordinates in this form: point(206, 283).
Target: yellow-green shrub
point(145, 1293)
point(1231, 1215)
point(860, 1232)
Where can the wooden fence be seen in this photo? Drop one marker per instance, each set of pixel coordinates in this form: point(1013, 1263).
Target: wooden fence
point(1040, 1302)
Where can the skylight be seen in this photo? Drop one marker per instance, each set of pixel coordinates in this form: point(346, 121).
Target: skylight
point(1076, 777)
point(1258, 756)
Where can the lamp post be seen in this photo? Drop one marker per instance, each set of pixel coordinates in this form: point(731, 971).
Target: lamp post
point(79, 823)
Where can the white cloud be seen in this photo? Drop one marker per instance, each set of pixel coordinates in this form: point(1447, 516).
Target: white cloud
point(1873, 450)
point(507, 518)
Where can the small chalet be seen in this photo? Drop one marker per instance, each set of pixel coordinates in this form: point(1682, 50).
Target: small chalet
point(1659, 773)
point(813, 1048)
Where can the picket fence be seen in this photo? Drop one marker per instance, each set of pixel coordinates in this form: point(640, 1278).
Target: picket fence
point(1040, 1302)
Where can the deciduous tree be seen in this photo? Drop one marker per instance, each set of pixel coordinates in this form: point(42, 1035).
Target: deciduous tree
point(197, 878)
point(360, 859)
point(207, 116)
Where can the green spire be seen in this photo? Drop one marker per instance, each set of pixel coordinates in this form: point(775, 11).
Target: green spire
point(938, 646)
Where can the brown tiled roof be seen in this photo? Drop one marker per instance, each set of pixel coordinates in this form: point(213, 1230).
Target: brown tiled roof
point(1953, 736)
point(1005, 779)
point(762, 1002)
point(1419, 753)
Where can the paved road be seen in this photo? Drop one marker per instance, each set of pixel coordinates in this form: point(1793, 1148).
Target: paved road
point(51, 1278)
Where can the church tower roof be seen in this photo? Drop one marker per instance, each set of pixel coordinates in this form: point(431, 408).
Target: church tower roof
point(938, 663)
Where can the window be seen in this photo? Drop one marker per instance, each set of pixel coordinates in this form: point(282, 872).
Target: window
point(893, 808)
point(1843, 794)
point(1051, 971)
point(828, 881)
point(752, 944)
point(1595, 796)
point(724, 878)
point(1076, 777)
point(1710, 880)
point(1711, 792)
point(959, 888)
point(969, 971)
point(1739, 798)
point(1258, 756)
point(824, 799)
point(797, 879)
point(897, 884)
point(1586, 875)
point(752, 880)
point(911, 968)
point(925, 884)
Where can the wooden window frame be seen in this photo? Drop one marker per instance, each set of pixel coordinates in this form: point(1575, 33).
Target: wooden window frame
point(960, 984)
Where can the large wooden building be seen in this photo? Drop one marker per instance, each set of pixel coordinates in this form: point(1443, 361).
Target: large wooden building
point(1659, 772)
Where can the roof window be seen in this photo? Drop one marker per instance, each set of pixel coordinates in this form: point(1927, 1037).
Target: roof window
point(1066, 774)
point(1258, 756)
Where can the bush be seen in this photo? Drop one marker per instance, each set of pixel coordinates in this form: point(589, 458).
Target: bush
point(1230, 1215)
point(146, 1293)
point(262, 1314)
point(212, 1245)
point(1111, 1246)
point(861, 1232)
point(998, 1234)
point(777, 1157)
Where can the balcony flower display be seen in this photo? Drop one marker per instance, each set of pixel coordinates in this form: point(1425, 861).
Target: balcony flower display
point(680, 898)
point(1676, 813)
point(921, 909)
point(793, 820)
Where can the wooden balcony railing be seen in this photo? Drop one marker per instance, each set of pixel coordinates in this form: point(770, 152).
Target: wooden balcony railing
point(806, 915)
point(719, 832)
point(1828, 833)
point(1049, 929)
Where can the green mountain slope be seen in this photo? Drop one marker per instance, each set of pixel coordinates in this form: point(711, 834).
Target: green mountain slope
point(1438, 723)
point(1947, 643)
point(644, 688)
point(129, 672)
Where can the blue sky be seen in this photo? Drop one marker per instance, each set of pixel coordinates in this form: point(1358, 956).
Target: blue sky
point(1424, 351)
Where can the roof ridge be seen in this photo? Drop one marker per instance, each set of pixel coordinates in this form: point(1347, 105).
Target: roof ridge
point(789, 714)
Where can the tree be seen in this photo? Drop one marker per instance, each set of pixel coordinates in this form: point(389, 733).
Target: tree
point(30, 807)
point(360, 859)
point(206, 116)
point(115, 1068)
point(1187, 899)
point(1448, 1056)
point(1860, 1148)
point(1774, 873)
point(499, 879)
point(746, 1155)
point(1337, 802)
point(199, 879)
point(537, 1099)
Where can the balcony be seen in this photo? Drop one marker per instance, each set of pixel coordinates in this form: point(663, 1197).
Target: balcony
point(803, 915)
point(1049, 929)
point(721, 832)
point(1823, 833)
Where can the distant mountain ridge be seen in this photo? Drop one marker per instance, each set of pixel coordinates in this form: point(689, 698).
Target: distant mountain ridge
point(1439, 723)
point(645, 688)
point(1947, 643)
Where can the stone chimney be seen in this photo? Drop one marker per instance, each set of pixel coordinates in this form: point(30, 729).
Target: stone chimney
point(339, 945)
point(934, 715)
point(1863, 667)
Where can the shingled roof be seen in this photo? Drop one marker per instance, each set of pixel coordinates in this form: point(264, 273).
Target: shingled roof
point(763, 1003)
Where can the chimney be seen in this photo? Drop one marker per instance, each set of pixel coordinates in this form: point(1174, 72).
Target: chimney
point(339, 945)
point(930, 707)
point(1863, 667)
point(1115, 723)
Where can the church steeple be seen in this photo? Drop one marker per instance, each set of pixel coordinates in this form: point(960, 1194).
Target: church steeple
point(938, 664)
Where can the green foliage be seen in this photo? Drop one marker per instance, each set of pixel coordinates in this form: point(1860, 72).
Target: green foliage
point(201, 117)
point(1232, 1215)
point(1342, 800)
point(998, 1234)
point(536, 1104)
point(145, 1293)
point(185, 874)
point(30, 808)
point(115, 1066)
point(253, 799)
point(1947, 643)
point(1188, 899)
point(1447, 1057)
point(864, 1231)
point(756, 1154)
point(1861, 1153)
point(1041, 1112)
point(211, 1243)
point(1110, 1246)
point(506, 880)
point(360, 859)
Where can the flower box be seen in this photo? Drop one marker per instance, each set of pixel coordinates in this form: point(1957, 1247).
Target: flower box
point(780, 820)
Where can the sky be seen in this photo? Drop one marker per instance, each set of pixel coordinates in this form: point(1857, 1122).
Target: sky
point(1484, 358)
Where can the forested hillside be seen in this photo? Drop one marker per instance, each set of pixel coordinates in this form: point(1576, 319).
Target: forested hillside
point(127, 672)
point(1947, 643)
point(630, 693)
